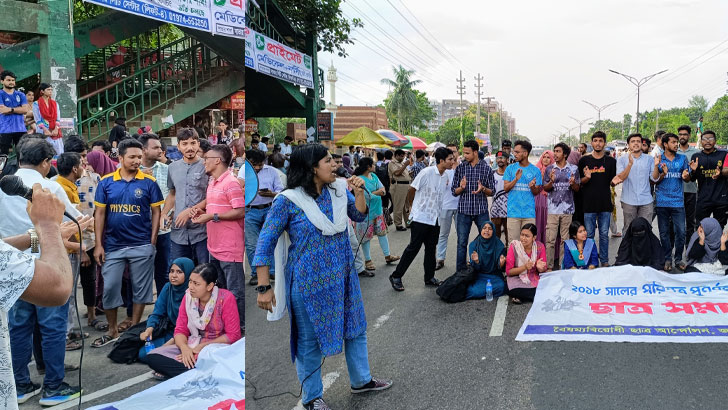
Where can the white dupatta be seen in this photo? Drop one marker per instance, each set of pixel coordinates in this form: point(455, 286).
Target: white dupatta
point(339, 204)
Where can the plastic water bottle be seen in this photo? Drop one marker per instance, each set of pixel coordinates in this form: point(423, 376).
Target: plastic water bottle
point(149, 346)
point(489, 291)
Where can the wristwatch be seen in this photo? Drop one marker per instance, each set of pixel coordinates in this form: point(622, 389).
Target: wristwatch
point(34, 242)
point(215, 218)
point(262, 289)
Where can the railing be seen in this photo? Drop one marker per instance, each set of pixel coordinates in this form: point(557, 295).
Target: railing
point(137, 96)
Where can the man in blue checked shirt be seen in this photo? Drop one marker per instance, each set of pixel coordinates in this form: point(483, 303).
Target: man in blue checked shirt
point(473, 182)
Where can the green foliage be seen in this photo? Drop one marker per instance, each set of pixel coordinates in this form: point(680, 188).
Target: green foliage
point(402, 103)
point(276, 126)
point(716, 119)
point(449, 132)
point(324, 19)
point(427, 136)
point(417, 120)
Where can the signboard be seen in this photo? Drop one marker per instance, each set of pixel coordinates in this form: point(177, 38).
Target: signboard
point(194, 14)
point(228, 18)
point(483, 139)
point(251, 126)
point(628, 304)
point(277, 60)
point(325, 126)
point(237, 101)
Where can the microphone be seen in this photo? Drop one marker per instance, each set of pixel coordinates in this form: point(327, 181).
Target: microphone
point(12, 185)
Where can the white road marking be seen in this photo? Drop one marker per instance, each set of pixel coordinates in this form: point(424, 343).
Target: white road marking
point(328, 380)
point(381, 319)
point(499, 319)
point(103, 392)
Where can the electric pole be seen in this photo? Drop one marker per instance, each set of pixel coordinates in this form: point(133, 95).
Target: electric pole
point(657, 121)
point(487, 110)
point(478, 94)
point(461, 92)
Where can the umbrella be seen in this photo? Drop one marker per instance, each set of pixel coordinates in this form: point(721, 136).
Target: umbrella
point(415, 143)
point(364, 137)
point(435, 145)
point(397, 139)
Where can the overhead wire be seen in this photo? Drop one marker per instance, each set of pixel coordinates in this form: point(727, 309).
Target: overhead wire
point(677, 72)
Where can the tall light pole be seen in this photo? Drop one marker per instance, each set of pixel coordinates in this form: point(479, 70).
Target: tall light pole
point(568, 132)
point(461, 92)
point(580, 122)
point(638, 83)
point(599, 109)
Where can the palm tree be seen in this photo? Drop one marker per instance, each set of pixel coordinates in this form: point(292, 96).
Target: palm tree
point(403, 101)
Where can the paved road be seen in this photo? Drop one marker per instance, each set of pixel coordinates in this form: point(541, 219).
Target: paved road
point(443, 356)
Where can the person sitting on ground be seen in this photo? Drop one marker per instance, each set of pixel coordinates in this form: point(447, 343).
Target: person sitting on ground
point(707, 249)
point(580, 252)
point(525, 262)
point(487, 258)
point(207, 315)
point(640, 246)
point(166, 308)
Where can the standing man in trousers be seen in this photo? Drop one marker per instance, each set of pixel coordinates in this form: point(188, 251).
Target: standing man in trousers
point(400, 178)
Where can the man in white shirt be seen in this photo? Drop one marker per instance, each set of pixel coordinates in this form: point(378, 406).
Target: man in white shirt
point(287, 149)
point(263, 144)
point(425, 197)
point(447, 215)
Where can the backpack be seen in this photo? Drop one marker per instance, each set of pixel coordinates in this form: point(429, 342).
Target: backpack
point(126, 348)
point(455, 288)
point(382, 172)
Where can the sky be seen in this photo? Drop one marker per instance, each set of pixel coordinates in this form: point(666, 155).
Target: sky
point(540, 59)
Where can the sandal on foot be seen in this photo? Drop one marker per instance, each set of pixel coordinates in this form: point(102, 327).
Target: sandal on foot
point(76, 335)
point(391, 258)
point(99, 325)
point(124, 326)
point(72, 345)
point(369, 265)
point(157, 376)
point(103, 341)
point(516, 301)
point(366, 274)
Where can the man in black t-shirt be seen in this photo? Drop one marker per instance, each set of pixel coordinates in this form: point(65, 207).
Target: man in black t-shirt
point(707, 168)
point(597, 172)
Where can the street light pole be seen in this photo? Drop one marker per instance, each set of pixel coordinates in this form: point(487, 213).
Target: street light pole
point(599, 109)
point(638, 84)
point(580, 122)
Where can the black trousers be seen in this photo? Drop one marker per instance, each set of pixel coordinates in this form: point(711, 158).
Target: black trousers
point(690, 225)
point(719, 212)
point(88, 281)
point(524, 294)
point(420, 234)
point(165, 365)
point(9, 140)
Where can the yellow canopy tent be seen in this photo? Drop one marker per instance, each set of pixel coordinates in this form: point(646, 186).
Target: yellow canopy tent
point(364, 137)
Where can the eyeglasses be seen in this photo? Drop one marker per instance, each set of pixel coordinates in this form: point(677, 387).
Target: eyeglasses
point(707, 138)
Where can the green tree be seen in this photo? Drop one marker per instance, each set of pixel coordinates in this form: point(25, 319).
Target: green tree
point(324, 19)
point(276, 126)
point(449, 132)
point(716, 119)
point(417, 121)
point(699, 104)
point(403, 104)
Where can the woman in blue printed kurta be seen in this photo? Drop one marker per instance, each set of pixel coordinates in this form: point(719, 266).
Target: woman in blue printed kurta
point(323, 294)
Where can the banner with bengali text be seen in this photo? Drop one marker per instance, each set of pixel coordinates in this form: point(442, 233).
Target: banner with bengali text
point(628, 304)
point(228, 17)
point(194, 14)
point(278, 60)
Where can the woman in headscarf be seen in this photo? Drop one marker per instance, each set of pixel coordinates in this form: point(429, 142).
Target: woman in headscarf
point(525, 262)
point(707, 249)
point(542, 206)
point(346, 161)
point(487, 258)
point(166, 308)
point(100, 163)
point(580, 252)
point(640, 246)
point(322, 290)
point(573, 159)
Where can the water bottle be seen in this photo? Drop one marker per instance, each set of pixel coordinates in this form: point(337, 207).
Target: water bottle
point(148, 346)
point(489, 291)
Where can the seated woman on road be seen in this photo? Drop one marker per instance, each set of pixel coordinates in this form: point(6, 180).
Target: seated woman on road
point(487, 258)
point(580, 252)
point(707, 249)
point(207, 315)
point(640, 246)
point(526, 260)
point(166, 309)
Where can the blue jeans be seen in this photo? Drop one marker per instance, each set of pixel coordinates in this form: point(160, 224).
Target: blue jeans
point(308, 354)
point(446, 219)
point(196, 251)
point(162, 262)
point(462, 226)
point(254, 219)
point(678, 225)
point(22, 318)
point(591, 219)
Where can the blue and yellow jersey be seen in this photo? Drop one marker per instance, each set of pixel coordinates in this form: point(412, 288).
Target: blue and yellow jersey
point(128, 207)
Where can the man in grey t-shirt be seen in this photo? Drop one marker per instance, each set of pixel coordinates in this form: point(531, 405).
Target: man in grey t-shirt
point(187, 183)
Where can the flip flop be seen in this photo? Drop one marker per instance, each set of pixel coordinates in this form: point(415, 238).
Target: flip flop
point(103, 341)
point(77, 335)
point(157, 376)
point(124, 326)
point(72, 345)
point(516, 301)
point(99, 325)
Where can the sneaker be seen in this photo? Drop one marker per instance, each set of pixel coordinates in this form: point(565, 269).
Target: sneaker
point(373, 385)
point(62, 394)
point(317, 404)
point(26, 391)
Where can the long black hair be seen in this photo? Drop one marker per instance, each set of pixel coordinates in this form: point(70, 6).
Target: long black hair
point(364, 165)
point(302, 162)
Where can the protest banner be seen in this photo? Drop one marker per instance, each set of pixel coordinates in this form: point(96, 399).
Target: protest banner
point(193, 14)
point(278, 60)
point(216, 383)
point(228, 17)
point(628, 304)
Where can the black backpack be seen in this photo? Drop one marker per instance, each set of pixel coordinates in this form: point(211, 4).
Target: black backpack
point(382, 172)
point(455, 288)
point(126, 348)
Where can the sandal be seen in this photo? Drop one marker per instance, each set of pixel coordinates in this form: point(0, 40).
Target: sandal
point(369, 265)
point(103, 341)
point(157, 376)
point(391, 258)
point(72, 345)
point(366, 274)
point(99, 325)
point(76, 336)
point(516, 301)
point(124, 326)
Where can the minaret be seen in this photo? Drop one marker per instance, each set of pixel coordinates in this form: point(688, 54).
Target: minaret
point(331, 77)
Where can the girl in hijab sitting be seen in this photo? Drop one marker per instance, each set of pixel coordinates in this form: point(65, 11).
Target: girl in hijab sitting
point(707, 249)
point(166, 308)
point(640, 246)
point(487, 258)
point(580, 252)
point(525, 262)
point(207, 315)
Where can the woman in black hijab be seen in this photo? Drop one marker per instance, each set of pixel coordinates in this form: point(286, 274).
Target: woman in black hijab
point(640, 246)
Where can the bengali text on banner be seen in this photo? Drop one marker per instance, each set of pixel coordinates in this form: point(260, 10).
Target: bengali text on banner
point(277, 60)
point(193, 14)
